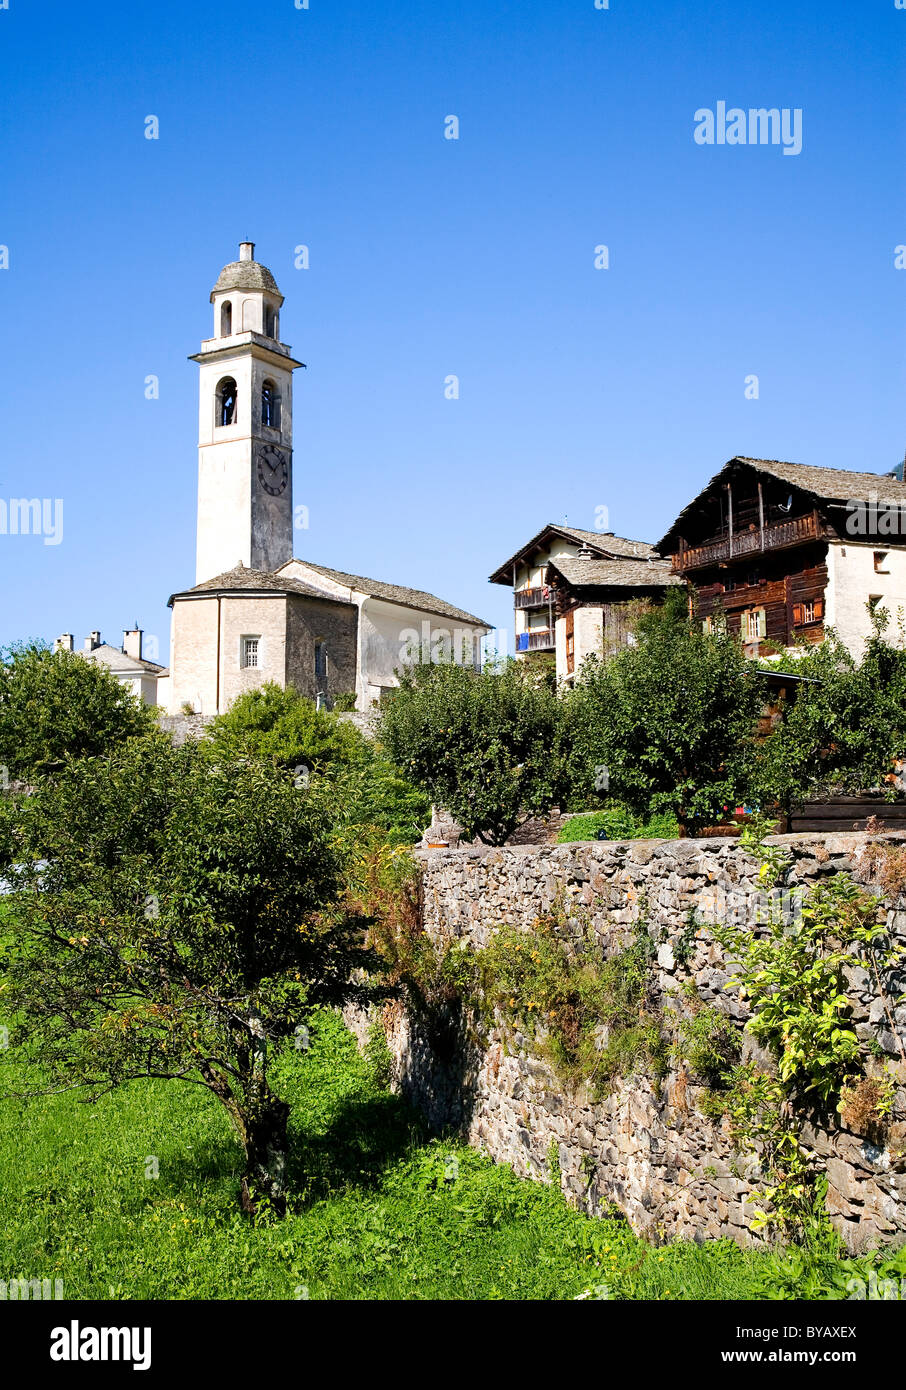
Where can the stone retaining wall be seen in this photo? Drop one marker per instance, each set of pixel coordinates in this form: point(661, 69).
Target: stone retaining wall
point(650, 1149)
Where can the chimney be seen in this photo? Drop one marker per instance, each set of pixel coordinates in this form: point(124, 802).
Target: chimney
point(92, 640)
point(246, 250)
point(64, 643)
point(132, 643)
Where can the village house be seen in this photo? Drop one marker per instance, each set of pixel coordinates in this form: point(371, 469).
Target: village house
point(783, 551)
point(595, 601)
point(571, 589)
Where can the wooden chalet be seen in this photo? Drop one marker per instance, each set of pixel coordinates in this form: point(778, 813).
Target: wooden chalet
point(781, 551)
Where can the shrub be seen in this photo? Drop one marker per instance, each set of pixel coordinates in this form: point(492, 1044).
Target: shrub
point(59, 706)
point(484, 745)
point(672, 719)
point(846, 726)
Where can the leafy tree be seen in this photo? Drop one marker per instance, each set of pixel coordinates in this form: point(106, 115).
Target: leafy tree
point(285, 727)
point(173, 918)
point(846, 725)
point(57, 705)
point(671, 719)
point(278, 722)
point(485, 745)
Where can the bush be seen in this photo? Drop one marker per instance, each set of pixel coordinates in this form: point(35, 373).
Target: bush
point(58, 706)
point(484, 745)
point(280, 725)
point(278, 722)
point(672, 719)
point(846, 726)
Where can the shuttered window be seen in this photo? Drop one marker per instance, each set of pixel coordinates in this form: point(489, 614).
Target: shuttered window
point(754, 624)
point(810, 611)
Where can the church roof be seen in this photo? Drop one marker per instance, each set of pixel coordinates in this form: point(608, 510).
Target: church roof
point(245, 275)
point(242, 580)
point(396, 593)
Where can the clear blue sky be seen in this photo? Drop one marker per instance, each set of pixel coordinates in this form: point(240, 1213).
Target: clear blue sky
point(580, 387)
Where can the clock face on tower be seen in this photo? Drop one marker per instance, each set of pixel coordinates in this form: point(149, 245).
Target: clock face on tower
point(273, 469)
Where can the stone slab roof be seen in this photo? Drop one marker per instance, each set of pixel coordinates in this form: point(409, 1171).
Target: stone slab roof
point(828, 485)
point(245, 275)
point(632, 574)
point(242, 580)
point(396, 593)
point(113, 657)
point(602, 543)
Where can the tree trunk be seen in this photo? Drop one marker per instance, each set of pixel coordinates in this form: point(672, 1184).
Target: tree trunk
point(263, 1120)
point(264, 1125)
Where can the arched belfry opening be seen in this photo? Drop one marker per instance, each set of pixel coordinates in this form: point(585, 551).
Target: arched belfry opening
point(270, 405)
point(227, 402)
point(226, 318)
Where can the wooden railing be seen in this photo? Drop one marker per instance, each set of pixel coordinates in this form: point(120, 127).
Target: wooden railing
point(773, 537)
point(530, 598)
point(539, 640)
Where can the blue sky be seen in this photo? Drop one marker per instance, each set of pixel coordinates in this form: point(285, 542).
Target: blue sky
point(579, 388)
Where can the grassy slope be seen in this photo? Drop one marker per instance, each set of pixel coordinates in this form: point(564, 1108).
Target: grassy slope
point(378, 1210)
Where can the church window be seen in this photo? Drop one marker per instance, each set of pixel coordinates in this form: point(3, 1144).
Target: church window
point(226, 319)
point(226, 402)
point(270, 406)
point(321, 660)
point(250, 651)
point(270, 321)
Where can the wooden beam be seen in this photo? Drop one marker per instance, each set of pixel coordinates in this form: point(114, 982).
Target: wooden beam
point(730, 516)
point(761, 513)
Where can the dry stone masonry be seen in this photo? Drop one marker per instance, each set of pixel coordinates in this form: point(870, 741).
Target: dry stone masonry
point(648, 1148)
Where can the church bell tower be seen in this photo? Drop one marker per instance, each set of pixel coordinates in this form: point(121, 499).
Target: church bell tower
point(245, 426)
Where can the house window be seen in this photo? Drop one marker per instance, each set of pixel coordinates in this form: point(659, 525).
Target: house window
point(321, 660)
point(226, 402)
point(754, 624)
point(881, 566)
point(874, 600)
point(250, 651)
point(809, 611)
point(270, 405)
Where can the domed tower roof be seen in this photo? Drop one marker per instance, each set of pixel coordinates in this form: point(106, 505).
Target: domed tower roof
point(245, 274)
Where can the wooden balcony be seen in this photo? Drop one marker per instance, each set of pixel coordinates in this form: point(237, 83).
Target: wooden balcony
point(531, 598)
point(778, 536)
point(538, 640)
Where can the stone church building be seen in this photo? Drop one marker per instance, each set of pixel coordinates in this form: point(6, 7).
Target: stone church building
point(256, 613)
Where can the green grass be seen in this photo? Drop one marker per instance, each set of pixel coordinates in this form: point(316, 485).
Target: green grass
point(619, 824)
point(378, 1211)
